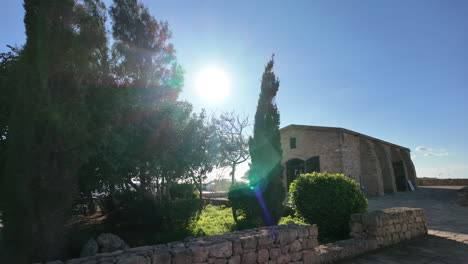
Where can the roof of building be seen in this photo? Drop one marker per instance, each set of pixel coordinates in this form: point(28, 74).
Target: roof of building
point(339, 129)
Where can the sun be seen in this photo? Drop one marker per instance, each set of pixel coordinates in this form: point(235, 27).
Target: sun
point(213, 85)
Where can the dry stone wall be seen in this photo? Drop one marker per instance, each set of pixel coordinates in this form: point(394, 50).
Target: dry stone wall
point(277, 244)
point(389, 226)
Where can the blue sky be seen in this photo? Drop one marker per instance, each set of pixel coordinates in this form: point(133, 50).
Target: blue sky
point(395, 70)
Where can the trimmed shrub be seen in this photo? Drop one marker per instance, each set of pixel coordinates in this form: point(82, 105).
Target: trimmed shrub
point(327, 200)
point(134, 210)
point(243, 200)
point(260, 205)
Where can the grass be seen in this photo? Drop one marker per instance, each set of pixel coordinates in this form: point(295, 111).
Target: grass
point(213, 220)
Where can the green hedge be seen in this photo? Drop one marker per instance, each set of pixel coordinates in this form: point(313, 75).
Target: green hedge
point(134, 210)
point(327, 200)
point(243, 200)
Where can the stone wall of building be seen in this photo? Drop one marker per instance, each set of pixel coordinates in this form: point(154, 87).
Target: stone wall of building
point(310, 143)
point(351, 149)
point(371, 172)
point(388, 175)
point(277, 244)
point(369, 161)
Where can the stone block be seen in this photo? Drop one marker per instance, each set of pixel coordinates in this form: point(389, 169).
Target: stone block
point(284, 249)
point(302, 232)
point(295, 246)
point(283, 259)
point(236, 246)
point(408, 235)
point(356, 218)
point(313, 230)
point(90, 262)
point(199, 253)
point(220, 250)
point(265, 239)
point(249, 242)
point(234, 260)
point(275, 253)
point(181, 256)
point(263, 255)
point(404, 227)
point(397, 228)
point(310, 243)
point(249, 258)
point(161, 257)
point(292, 234)
point(220, 261)
point(356, 228)
point(310, 257)
point(137, 260)
point(296, 256)
point(370, 220)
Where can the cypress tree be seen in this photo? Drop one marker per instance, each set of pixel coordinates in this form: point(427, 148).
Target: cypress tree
point(48, 130)
point(265, 150)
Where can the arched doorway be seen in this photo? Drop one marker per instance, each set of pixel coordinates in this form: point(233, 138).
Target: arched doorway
point(294, 167)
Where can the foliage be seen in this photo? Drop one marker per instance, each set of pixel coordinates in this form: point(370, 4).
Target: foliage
point(265, 172)
point(90, 117)
point(214, 220)
point(183, 191)
point(132, 209)
point(327, 200)
point(7, 63)
point(49, 134)
point(245, 204)
point(286, 220)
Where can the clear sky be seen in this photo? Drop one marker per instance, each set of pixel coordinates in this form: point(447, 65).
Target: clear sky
point(395, 70)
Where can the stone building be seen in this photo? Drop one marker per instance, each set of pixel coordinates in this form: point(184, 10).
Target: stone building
point(378, 166)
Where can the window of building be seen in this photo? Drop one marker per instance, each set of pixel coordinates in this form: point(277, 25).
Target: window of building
point(292, 143)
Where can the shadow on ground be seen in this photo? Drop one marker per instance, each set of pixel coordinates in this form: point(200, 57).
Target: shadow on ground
point(425, 249)
point(444, 214)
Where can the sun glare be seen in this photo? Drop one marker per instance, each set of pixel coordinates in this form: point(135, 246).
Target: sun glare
point(213, 85)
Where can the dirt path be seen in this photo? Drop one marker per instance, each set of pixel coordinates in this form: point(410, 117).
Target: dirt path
point(447, 241)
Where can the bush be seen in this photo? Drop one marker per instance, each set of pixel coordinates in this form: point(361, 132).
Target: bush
point(243, 200)
point(184, 191)
point(214, 220)
point(327, 200)
point(286, 220)
point(178, 214)
point(134, 210)
point(131, 209)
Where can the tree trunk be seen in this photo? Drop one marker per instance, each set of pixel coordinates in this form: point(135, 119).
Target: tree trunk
point(233, 173)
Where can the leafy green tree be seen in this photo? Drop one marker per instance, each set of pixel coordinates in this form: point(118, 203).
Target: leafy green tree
point(48, 138)
point(265, 149)
point(156, 140)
